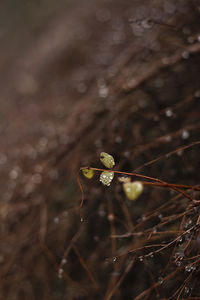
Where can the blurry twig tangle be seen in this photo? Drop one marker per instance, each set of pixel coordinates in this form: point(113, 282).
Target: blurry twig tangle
point(153, 241)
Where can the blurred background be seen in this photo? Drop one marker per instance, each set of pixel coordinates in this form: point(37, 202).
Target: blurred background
point(78, 78)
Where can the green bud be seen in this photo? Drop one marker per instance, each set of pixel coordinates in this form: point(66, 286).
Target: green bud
point(133, 189)
point(88, 173)
point(106, 177)
point(107, 160)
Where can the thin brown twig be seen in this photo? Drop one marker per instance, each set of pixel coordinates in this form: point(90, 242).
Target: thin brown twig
point(84, 265)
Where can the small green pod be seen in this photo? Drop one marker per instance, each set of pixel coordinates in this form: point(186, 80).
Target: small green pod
point(106, 177)
point(107, 160)
point(88, 173)
point(133, 189)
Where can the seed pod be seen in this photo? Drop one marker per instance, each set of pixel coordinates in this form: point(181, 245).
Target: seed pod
point(88, 173)
point(107, 160)
point(133, 189)
point(106, 177)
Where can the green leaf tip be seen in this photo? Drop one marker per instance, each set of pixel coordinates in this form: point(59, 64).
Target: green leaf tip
point(88, 173)
point(133, 189)
point(107, 160)
point(106, 177)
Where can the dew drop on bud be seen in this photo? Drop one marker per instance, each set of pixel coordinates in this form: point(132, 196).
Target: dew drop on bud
point(106, 177)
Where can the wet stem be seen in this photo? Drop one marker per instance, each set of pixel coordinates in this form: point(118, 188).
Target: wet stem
point(156, 182)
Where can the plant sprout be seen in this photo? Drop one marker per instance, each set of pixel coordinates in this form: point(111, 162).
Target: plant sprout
point(88, 173)
point(107, 160)
point(133, 189)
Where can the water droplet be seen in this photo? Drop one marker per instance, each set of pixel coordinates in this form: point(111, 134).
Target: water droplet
point(154, 229)
point(15, 172)
point(179, 255)
point(195, 209)
point(189, 221)
point(180, 153)
point(151, 254)
point(96, 238)
point(186, 289)
point(141, 258)
point(197, 94)
point(63, 261)
point(127, 154)
point(101, 212)
point(169, 113)
point(180, 239)
point(118, 139)
point(56, 220)
point(188, 268)
point(160, 280)
point(168, 138)
point(143, 218)
point(185, 134)
point(160, 216)
point(185, 225)
point(185, 54)
point(114, 259)
point(147, 24)
point(111, 217)
point(65, 213)
point(103, 91)
point(60, 273)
